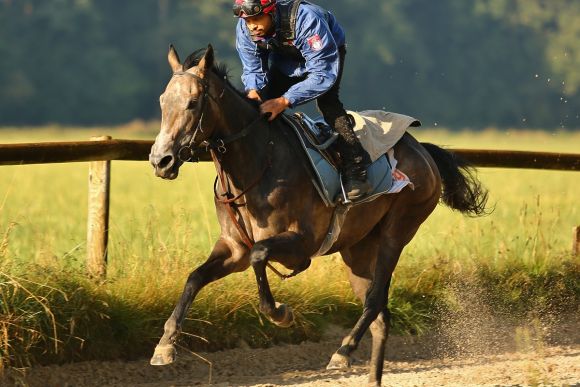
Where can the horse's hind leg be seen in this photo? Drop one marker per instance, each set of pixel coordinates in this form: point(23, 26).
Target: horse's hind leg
point(380, 326)
point(221, 262)
point(379, 331)
point(372, 286)
point(361, 261)
point(396, 231)
point(287, 247)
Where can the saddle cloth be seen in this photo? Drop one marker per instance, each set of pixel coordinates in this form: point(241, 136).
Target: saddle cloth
point(378, 132)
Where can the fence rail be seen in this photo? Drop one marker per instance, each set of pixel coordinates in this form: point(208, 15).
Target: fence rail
point(67, 152)
point(138, 150)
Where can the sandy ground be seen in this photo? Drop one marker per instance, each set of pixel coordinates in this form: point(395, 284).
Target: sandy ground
point(529, 354)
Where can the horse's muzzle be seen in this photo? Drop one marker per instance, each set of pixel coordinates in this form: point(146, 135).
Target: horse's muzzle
point(165, 165)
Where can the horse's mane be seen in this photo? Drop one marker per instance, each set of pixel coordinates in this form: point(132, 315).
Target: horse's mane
point(221, 70)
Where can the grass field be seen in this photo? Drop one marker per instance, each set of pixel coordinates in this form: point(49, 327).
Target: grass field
point(518, 258)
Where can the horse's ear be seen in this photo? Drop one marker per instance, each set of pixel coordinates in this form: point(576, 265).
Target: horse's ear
point(173, 59)
point(206, 62)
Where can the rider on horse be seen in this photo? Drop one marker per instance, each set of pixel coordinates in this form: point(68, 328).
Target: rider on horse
point(293, 52)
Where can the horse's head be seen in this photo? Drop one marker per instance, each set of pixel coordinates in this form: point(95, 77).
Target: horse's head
point(184, 109)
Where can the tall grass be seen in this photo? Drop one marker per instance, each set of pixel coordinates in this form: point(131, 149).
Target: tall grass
point(518, 258)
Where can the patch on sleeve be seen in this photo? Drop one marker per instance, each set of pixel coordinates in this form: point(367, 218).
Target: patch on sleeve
point(315, 42)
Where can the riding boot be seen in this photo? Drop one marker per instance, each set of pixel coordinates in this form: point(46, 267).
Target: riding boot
point(355, 160)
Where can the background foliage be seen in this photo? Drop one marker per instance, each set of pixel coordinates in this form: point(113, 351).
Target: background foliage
point(506, 63)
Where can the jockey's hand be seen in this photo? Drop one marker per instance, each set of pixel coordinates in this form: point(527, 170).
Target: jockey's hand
point(253, 94)
point(274, 107)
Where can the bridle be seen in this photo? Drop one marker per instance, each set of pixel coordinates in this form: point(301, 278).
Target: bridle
point(205, 94)
point(218, 146)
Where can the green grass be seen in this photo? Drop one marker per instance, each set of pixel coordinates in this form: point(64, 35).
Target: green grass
point(519, 256)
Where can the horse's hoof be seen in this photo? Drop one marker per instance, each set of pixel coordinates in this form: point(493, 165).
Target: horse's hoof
point(163, 355)
point(287, 315)
point(338, 362)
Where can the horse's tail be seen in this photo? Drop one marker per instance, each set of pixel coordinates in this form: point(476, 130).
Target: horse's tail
point(462, 190)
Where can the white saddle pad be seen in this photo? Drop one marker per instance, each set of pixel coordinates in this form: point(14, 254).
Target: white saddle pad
point(378, 131)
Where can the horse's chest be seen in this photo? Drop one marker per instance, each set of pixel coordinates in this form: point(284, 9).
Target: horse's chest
point(271, 209)
point(279, 197)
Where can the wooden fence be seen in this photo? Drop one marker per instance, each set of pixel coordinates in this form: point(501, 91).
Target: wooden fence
point(138, 150)
point(101, 150)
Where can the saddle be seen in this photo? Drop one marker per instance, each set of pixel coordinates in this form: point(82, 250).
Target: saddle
point(320, 136)
point(317, 138)
point(378, 132)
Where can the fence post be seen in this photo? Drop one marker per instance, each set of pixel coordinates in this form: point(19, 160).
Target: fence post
point(576, 240)
point(98, 216)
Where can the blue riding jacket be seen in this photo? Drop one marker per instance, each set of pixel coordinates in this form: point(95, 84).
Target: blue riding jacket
point(317, 36)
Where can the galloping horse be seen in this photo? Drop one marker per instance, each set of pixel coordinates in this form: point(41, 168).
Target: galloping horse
point(269, 210)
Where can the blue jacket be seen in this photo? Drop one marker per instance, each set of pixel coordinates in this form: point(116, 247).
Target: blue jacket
point(318, 37)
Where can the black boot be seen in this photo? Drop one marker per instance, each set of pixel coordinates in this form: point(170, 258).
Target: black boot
point(355, 160)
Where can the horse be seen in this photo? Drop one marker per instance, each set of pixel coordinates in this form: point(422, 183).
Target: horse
point(269, 210)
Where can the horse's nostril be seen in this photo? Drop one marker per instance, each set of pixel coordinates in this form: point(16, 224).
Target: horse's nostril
point(165, 162)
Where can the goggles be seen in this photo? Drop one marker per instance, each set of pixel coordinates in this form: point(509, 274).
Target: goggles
point(246, 10)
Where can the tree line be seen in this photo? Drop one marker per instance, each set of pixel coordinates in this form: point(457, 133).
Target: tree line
point(478, 63)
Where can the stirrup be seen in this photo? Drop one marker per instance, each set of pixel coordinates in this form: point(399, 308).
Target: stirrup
point(345, 199)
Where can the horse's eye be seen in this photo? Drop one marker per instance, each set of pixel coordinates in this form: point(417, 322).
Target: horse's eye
point(192, 104)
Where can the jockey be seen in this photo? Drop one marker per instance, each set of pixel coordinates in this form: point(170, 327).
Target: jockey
point(293, 52)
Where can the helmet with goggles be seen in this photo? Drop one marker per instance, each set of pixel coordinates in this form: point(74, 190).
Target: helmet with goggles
point(249, 8)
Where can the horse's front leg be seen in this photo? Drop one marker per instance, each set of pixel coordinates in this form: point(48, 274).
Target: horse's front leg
point(288, 248)
point(222, 261)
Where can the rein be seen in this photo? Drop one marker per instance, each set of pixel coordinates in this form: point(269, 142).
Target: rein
point(222, 180)
point(219, 146)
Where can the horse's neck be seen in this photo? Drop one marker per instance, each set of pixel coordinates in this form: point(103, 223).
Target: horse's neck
point(244, 158)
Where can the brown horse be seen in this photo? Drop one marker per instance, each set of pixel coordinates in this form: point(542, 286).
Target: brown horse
point(269, 210)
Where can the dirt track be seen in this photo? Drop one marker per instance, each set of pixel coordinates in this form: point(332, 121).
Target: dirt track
point(516, 356)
